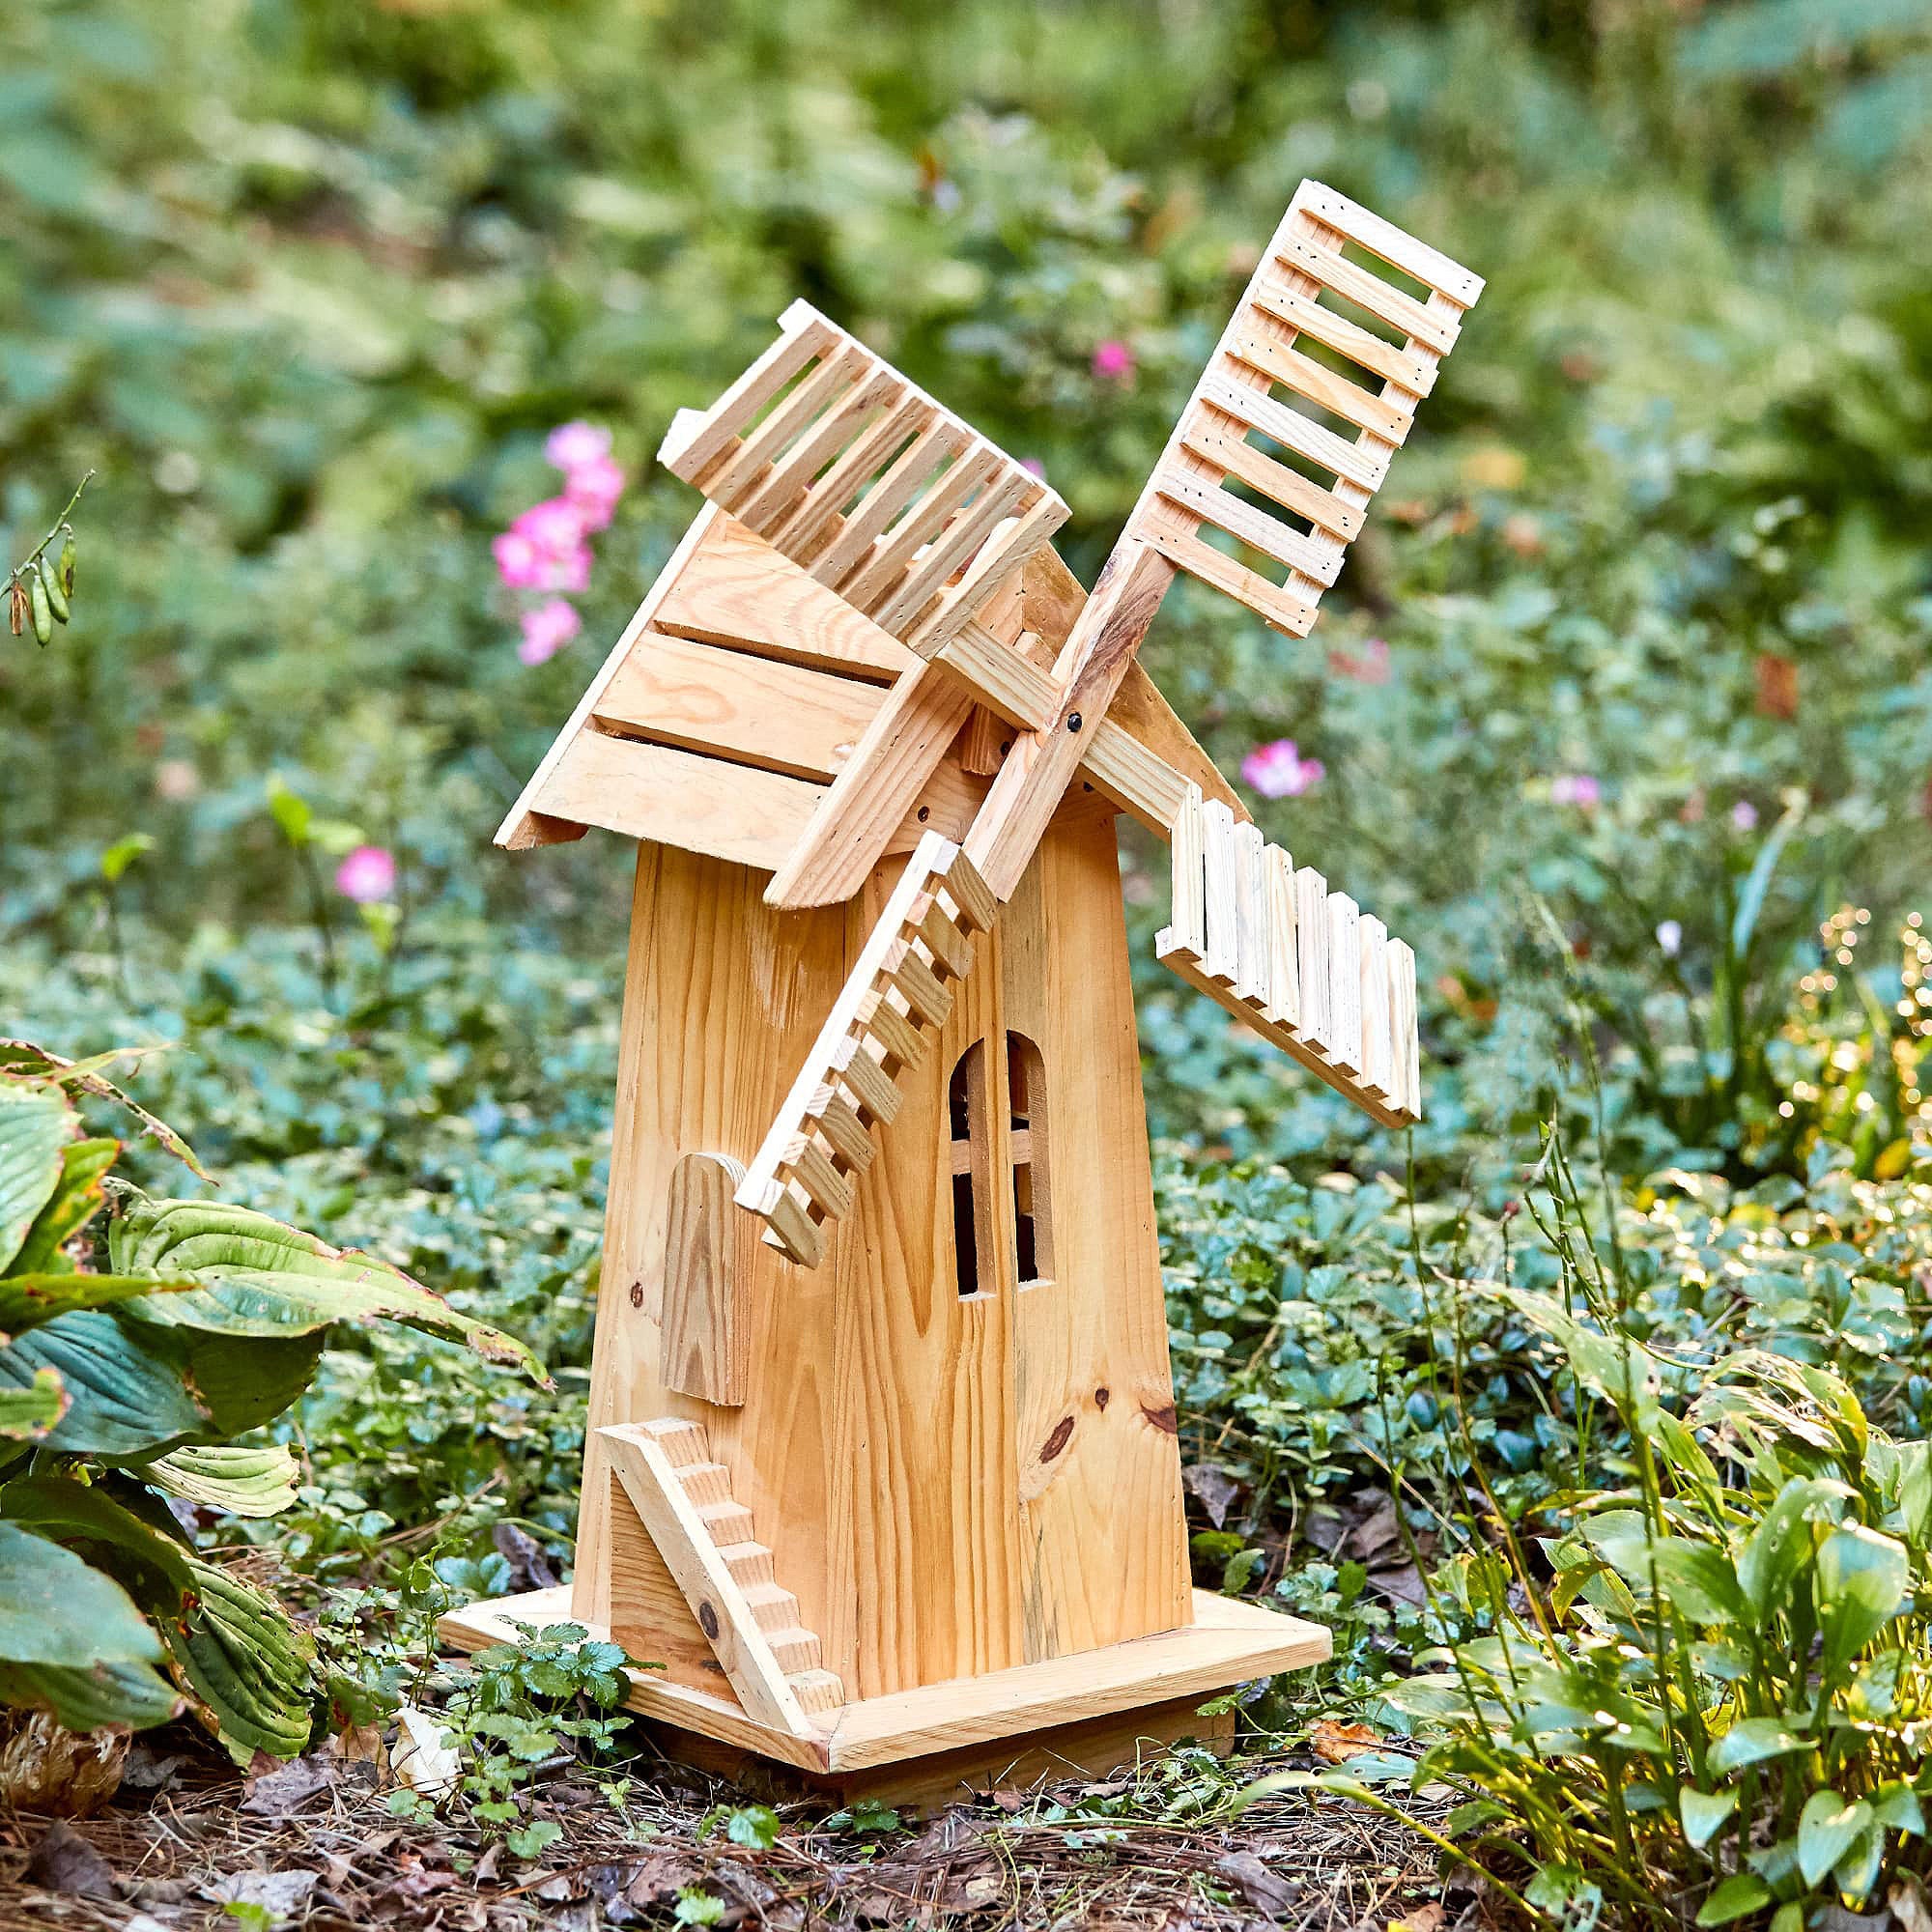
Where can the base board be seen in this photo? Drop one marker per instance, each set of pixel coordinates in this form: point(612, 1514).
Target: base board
point(1149, 1680)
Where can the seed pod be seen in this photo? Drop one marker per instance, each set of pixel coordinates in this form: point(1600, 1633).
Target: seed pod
point(56, 596)
point(67, 565)
point(16, 606)
point(44, 613)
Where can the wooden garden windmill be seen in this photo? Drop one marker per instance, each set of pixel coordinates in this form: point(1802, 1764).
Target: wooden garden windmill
point(883, 1462)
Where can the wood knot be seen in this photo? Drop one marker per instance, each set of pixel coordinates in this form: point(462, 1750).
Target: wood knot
point(1102, 1397)
point(1062, 1430)
point(707, 1620)
point(637, 1294)
point(1161, 1418)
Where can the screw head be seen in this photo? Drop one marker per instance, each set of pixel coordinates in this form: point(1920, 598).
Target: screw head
point(1073, 721)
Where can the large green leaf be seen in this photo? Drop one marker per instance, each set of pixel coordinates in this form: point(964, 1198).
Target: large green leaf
point(77, 1199)
point(135, 1390)
point(26, 1300)
point(131, 1694)
point(260, 1277)
point(55, 1607)
point(36, 1123)
point(1862, 1583)
point(251, 1671)
point(242, 1482)
point(21, 1057)
point(27, 1414)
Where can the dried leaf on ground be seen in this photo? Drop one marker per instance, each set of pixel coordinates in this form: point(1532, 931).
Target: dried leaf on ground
point(421, 1758)
point(64, 1862)
point(1265, 1890)
point(278, 1789)
point(1212, 1488)
point(1336, 1743)
point(282, 1894)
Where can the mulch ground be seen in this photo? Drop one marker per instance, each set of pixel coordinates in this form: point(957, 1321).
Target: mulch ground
point(186, 1845)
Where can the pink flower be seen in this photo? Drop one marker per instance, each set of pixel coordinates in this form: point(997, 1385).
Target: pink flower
point(1114, 362)
point(547, 629)
point(519, 563)
point(366, 874)
point(1033, 466)
point(571, 445)
point(592, 489)
point(544, 549)
point(1744, 815)
point(1576, 789)
point(1370, 667)
point(1280, 771)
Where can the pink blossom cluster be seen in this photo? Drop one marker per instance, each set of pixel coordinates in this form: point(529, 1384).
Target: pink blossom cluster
point(548, 549)
point(1278, 770)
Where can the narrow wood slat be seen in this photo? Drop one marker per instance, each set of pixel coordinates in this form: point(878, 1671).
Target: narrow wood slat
point(1216, 439)
point(1269, 602)
point(791, 1229)
point(1362, 347)
point(1315, 382)
point(1402, 1000)
point(751, 709)
point(1284, 974)
point(999, 677)
point(691, 454)
point(971, 900)
point(844, 1130)
point(868, 586)
point(840, 425)
point(734, 481)
point(1189, 914)
point(870, 1085)
point(827, 499)
point(894, 1029)
point(1395, 245)
point(1311, 945)
point(1251, 949)
point(940, 440)
point(926, 575)
point(815, 1170)
point(1334, 270)
point(1352, 463)
point(951, 949)
point(1221, 892)
point(1345, 981)
point(1007, 551)
point(1254, 527)
point(1377, 1041)
point(925, 993)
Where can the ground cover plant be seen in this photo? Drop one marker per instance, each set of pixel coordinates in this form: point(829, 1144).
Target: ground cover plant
point(365, 321)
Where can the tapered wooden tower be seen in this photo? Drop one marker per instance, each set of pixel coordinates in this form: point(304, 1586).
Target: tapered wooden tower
point(884, 1466)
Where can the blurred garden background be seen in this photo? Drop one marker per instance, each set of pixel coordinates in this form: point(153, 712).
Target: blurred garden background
point(1622, 710)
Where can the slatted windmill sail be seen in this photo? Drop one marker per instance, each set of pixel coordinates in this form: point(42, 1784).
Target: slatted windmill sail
point(883, 1461)
point(1275, 945)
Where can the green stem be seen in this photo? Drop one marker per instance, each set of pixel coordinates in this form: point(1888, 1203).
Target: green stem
point(35, 554)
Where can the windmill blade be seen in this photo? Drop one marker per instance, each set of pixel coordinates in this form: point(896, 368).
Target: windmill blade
point(802, 1175)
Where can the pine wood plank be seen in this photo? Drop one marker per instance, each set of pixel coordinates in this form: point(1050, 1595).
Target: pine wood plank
point(695, 445)
point(753, 710)
point(1311, 940)
point(1269, 602)
point(1362, 347)
point(821, 514)
point(1380, 237)
point(1419, 323)
point(1251, 947)
point(949, 548)
point(1254, 527)
point(911, 471)
point(1316, 383)
point(1221, 956)
point(1284, 1001)
point(706, 1326)
point(745, 474)
point(1377, 1041)
point(655, 792)
point(871, 583)
point(777, 496)
point(1348, 462)
point(1008, 549)
point(1344, 1039)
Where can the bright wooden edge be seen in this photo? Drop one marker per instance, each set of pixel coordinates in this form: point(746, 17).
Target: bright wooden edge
point(518, 830)
point(1229, 1643)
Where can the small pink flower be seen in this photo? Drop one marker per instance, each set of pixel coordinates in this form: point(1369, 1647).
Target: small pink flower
point(547, 629)
point(1278, 770)
point(1744, 815)
point(519, 563)
point(553, 525)
point(1576, 789)
point(1370, 667)
point(1033, 466)
point(571, 445)
point(1114, 362)
point(366, 875)
point(592, 489)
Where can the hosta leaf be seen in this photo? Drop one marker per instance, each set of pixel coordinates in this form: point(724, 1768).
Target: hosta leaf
point(55, 1607)
point(260, 1277)
point(27, 1414)
point(1702, 1812)
point(251, 1668)
point(22, 1057)
point(75, 1201)
point(1754, 1739)
point(135, 1695)
point(134, 1391)
point(242, 1482)
point(26, 1300)
point(1827, 1828)
point(1740, 1892)
point(36, 1123)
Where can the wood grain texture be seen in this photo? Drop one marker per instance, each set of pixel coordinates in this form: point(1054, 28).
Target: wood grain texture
point(658, 793)
point(648, 1612)
point(753, 710)
point(706, 1325)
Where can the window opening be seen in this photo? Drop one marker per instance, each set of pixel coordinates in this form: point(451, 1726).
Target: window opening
point(966, 1115)
point(1033, 1201)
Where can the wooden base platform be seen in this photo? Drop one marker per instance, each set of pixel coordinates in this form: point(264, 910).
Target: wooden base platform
point(1089, 1714)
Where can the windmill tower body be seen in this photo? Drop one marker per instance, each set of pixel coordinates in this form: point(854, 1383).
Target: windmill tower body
point(883, 1465)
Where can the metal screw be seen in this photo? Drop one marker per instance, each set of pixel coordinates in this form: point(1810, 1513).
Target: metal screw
point(1073, 723)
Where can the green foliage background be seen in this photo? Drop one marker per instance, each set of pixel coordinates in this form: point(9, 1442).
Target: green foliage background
point(307, 282)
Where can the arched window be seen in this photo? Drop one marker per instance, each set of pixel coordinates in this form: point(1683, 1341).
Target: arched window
point(1032, 1193)
point(971, 1170)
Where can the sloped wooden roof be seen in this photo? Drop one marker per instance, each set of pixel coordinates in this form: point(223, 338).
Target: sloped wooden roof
point(751, 712)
